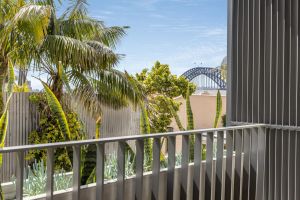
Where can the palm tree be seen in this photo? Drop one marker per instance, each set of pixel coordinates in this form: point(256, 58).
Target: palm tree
point(78, 49)
point(73, 42)
point(22, 28)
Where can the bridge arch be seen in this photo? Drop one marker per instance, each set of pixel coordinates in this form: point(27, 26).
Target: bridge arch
point(212, 73)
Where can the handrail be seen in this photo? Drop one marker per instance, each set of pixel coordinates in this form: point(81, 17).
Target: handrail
point(229, 137)
point(120, 139)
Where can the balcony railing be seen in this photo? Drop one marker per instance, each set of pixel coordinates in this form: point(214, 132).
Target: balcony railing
point(240, 174)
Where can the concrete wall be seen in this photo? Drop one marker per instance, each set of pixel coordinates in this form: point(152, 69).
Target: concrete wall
point(204, 110)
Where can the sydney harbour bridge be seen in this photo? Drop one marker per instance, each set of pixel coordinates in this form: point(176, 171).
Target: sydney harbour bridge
point(207, 78)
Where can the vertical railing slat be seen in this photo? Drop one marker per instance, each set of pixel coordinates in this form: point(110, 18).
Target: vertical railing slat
point(50, 170)
point(76, 172)
point(139, 169)
point(246, 165)
point(261, 153)
point(284, 164)
point(197, 166)
point(272, 155)
point(121, 170)
point(184, 167)
point(278, 151)
point(155, 169)
point(238, 164)
point(208, 168)
point(19, 175)
point(267, 164)
point(253, 164)
point(219, 165)
point(171, 166)
point(228, 174)
point(100, 171)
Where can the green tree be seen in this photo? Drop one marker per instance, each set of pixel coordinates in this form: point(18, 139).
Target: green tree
point(68, 47)
point(160, 87)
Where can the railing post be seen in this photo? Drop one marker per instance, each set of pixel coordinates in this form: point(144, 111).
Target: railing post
point(155, 169)
point(184, 167)
point(50, 170)
point(139, 169)
point(19, 175)
point(100, 171)
point(171, 166)
point(76, 172)
point(197, 166)
point(121, 170)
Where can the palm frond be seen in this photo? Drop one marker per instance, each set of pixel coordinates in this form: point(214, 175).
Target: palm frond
point(110, 36)
point(32, 20)
point(76, 7)
point(75, 53)
point(81, 28)
point(104, 88)
point(84, 92)
point(116, 83)
point(57, 111)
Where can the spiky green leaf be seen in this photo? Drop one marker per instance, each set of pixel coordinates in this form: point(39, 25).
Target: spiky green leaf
point(218, 109)
point(57, 111)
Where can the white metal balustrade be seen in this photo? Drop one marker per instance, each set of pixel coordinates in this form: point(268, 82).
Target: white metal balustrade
point(241, 174)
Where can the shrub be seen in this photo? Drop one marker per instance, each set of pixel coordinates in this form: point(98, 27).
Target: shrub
point(48, 132)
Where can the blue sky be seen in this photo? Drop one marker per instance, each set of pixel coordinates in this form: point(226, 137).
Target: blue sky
point(181, 33)
point(175, 32)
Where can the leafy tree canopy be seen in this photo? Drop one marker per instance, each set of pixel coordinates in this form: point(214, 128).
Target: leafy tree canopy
point(160, 87)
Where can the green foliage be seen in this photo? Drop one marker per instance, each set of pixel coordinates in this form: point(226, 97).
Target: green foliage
point(176, 117)
point(49, 132)
point(218, 109)
point(35, 182)
point(189, 112)
point(89, 163)
point(3, 129)
point(145, 129)
point(57, 111)
point(4, 116)
point(21, 88)
point(98, 126)
point(110, 167)
point(190, 121)
point(160, 87)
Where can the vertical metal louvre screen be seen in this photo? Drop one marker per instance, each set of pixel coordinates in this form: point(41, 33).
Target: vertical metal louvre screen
point(264, 87)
